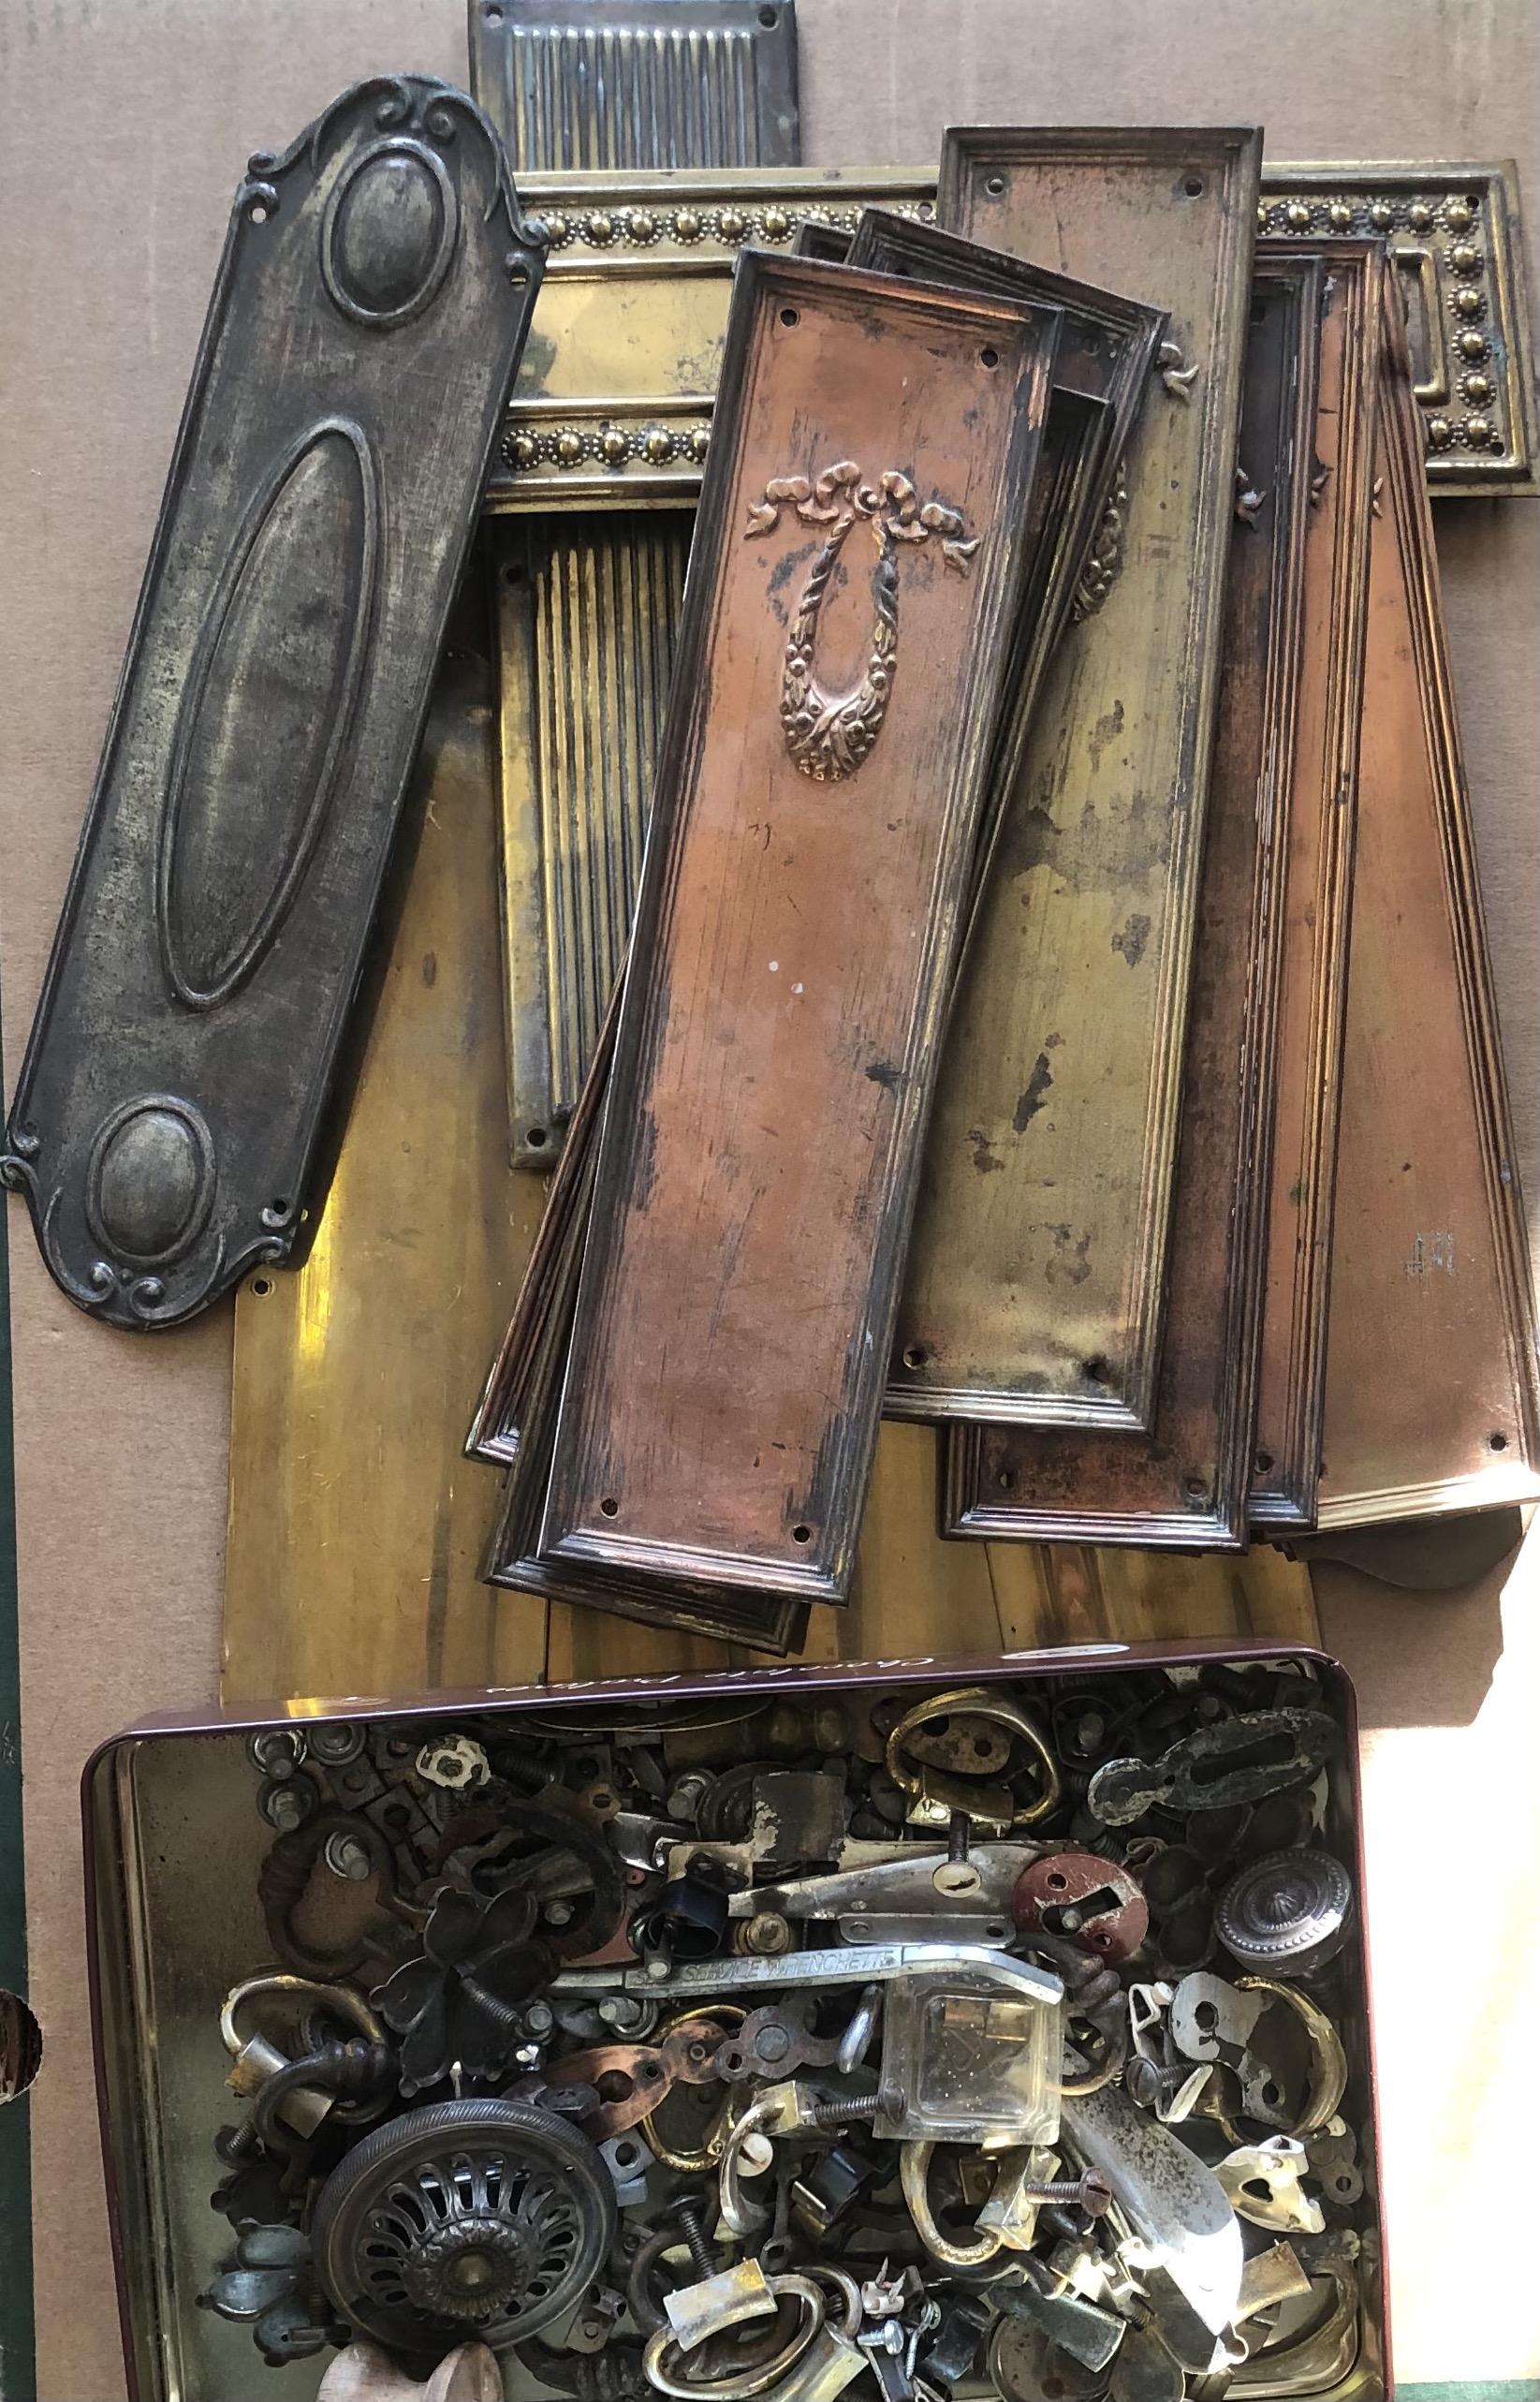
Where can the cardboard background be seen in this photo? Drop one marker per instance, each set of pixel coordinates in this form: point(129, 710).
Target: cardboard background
point(125, 138)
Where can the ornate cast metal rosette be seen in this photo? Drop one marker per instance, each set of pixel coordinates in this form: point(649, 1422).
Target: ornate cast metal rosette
point(1453, 231)
point(830, 735)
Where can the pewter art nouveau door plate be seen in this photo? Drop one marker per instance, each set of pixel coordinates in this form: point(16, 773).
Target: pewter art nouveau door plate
point(366, 323)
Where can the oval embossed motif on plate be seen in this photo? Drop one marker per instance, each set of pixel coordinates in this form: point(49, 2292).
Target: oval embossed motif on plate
point(150, 1178)
point(267, 717)
point(389, 234)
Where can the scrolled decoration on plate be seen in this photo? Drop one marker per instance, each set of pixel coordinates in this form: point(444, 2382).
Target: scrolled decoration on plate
point(830, 735)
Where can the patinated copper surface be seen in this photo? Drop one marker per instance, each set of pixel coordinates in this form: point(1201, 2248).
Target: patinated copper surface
point(1291, 1391)
point(1184, 1484)
point(808, 865)
point(1431, 1377)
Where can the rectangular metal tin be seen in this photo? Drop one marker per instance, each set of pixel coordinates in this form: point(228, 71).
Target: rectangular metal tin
point(160, 1951)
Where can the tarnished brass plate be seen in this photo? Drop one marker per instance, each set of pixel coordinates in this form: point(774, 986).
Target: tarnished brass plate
point(369, 311)
point(613, 405)
point(1453, 233)
point(595, 83)
point(807, 867)
point(1430, 1398)
point(1040, 1236)
point(587, 610)
point(1291, 1389)
point(1184, 1484)
point(356, 1529)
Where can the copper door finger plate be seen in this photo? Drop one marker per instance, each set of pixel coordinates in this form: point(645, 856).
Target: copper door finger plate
point(1430, 1401)
point(1184, 1484)
point(796, 926)
point(1323, 817)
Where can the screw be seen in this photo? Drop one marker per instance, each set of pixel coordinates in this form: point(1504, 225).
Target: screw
point(1091, 2191)
point(690, 2211)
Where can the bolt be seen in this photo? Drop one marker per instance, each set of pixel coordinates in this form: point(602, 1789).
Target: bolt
point(346, 1856)
point(772, 2043)
point(842, 2112)
point(765, 1935)
point(539, 2018)
point(627, 2013)
point(558, 1913)
point(1150, 2086)
point(685, 1795)
point(285, 1808)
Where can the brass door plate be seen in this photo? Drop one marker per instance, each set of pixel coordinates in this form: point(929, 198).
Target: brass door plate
point(1049, 1167)
point(614, 399)
point(1431, 1389)
point(356, 1529)
point(808, 865)
point(1318, 884)
point(580, 84)
point(1453, 233)
point(370, 308)
point(1185, 1484)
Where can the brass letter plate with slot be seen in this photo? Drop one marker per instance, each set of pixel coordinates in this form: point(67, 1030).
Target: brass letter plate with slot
point(368, 316)
point(1431, 1403)
point(1453, 231)
point(1291, 1391)
point(807, 872)
point(1184, 1484)
point(1036, 1271)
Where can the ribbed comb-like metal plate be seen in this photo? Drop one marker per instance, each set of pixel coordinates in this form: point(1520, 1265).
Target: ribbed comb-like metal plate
point(586, 84)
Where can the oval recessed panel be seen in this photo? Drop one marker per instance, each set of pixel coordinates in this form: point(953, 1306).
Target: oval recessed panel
point(150, 1178)
point(266, 720)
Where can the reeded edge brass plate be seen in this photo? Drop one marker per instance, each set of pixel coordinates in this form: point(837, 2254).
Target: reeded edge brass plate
point(1453, 230)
